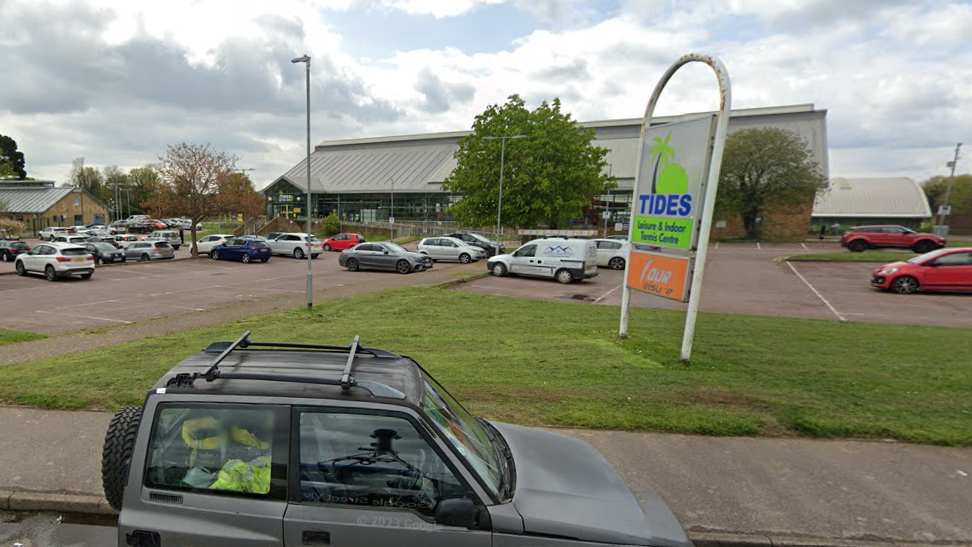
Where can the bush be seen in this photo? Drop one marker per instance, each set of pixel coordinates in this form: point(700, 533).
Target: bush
point(330, 225)
point(9, 227)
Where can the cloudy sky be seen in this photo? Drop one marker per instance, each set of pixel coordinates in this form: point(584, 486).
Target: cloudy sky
point(114, 81)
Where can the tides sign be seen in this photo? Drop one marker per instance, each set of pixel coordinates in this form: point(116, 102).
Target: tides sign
point(671, 183)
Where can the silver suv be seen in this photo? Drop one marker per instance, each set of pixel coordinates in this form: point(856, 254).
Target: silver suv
point(149, 250)
point(56, 260)
point(249, 444)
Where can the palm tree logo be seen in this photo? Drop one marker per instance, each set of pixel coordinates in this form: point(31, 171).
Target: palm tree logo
point(663, 153)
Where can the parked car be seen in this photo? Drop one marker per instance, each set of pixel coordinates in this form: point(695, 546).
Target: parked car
point(10, 248)
point(343, 241)
point(117, 227)
point(940, 270)
point(450, 248)
point(172, 236)
point(386, 255)
point(74, 240)
point(51, 232)
point(238, 248)
point(56, 260)
point(295, 245)
point(273, 235)
point(125, 239)
point(863, 238)
point(105, 253)
point(560, 258)
point(612, 253)
point(492, 248)
point(149, 250)
point(351, 445)
point(110, 240)
point(97, 227)
point(207, 243)
point(619, 237)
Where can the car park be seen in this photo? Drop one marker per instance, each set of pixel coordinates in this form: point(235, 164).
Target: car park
point(947, 269)
point(560, 258)
point(492, 248)
point(171, 236)
point(51, 232)
point(144, 251)
point(105, 253)
point(612, 253)
point(862, 238)
point(349, 445)
point(385, 255)
point(245, 250)
point(56, 260)
point(207, 243)
point(343, 241)
point(11, 248)
point(296, 245)
point(450, 248)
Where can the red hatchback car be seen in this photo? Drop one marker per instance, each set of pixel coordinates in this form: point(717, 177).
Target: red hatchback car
point(941, 270)
point(341, 242)
point(863, 238)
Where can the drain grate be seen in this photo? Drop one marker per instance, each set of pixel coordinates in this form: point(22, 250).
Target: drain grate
point(582, 297)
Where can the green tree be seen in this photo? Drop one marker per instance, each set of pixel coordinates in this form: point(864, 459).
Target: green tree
point(89, 178)
point(11, 160)
point(763, 169)
point(960, 199)
point(663, 154)
point(136, 189)
point(550, 175)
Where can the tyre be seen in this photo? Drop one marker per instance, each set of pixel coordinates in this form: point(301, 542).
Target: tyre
point(616, 263)
point(245, 259)
point(403, 267)
point(85, 276)
point(21, 270)
point(857, 246)
point(905, 285)
point(99, 261)
point(498, 269)
point(465, 258)
point(327, 248)
point(214, 255)
point(50, 274)
point(352, 265)
point(565, 277)
point(264, 260)
point(315, 256)
point(145, 258)
point(4, 257)
point(176, 247)
point(923, 247)
point(117, 452)
point(298, 253)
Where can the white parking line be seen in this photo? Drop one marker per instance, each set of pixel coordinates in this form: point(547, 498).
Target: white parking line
point(85, 317)
point(605, 295)
point(816, 292)
point(804, 245)
point(717, 245)
point(758, 246)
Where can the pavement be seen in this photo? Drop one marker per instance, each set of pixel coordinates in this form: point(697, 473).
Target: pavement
point(726, 491)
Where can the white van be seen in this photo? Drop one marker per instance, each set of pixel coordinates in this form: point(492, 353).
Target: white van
point(561, 258)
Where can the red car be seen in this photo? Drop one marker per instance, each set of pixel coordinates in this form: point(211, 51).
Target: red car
point(941, 270)
point(863, 238)
point(341, 242)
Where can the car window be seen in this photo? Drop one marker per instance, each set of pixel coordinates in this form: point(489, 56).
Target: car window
point(526, 251)
point(220, 450)
point(373, 461)
point(162, 245)
point(955, 259)
point(448, 243)
point(78, 251)
point(394, 247)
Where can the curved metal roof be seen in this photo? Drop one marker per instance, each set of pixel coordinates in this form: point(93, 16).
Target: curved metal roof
point(893, 197)
point(31, 200)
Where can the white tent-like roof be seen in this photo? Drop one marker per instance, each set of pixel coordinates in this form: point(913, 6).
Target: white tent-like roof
point(893, 197)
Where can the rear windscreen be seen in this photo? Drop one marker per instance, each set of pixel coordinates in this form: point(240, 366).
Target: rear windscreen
point(74, 252)
point(161, 245)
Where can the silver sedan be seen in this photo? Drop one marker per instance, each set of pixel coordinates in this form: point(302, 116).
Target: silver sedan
point(149, 250)
point(384, 256)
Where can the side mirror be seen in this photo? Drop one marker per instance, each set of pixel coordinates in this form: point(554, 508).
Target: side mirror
point(459, 512)
point(386, 251)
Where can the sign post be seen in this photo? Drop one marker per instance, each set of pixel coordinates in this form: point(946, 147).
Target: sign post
point(676, 181)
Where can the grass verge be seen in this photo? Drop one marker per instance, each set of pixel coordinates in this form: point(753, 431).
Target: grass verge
point(549, 363)
point(14, 336)
point(847, 256)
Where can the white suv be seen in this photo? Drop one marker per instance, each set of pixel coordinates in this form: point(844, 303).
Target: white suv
point(206, 244)
point(51, 232)
point(295, 245)
point(56, 260)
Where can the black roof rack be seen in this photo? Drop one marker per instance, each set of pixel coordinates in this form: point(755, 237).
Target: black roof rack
point(347, 380)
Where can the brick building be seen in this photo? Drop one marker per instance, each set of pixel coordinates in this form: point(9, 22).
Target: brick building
point(39, 204)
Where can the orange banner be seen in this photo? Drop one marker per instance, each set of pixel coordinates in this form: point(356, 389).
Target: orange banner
point(659, 274)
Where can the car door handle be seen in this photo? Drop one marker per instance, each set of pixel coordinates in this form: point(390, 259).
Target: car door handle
point(309, 537)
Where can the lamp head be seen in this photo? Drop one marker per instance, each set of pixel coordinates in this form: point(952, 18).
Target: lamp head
point(301, 59)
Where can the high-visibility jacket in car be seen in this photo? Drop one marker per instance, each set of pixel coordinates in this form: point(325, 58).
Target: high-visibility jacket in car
point(245, 476)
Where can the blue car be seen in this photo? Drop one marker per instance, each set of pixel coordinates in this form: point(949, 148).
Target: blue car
point(239, 248)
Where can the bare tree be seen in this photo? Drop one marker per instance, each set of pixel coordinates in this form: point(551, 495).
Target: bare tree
point(188, 183)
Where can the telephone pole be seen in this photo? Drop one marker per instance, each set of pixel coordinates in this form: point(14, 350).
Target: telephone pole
point(951, 179)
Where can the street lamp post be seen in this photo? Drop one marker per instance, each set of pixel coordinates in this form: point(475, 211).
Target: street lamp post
point(499, 209)
point(951, 179)
point(310, 279)
point(391, 217)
